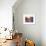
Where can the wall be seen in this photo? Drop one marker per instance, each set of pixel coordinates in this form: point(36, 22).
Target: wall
point(6, 13)
point(29, 31)
point(43, 22)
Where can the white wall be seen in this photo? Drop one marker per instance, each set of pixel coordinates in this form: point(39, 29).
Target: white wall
point(6, 13)
point(43, 22)
point(29, 31)
point(37, 31)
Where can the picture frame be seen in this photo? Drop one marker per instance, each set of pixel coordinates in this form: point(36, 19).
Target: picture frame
point(28, 19)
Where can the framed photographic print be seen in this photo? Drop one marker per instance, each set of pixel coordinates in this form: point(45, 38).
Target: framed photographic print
point(28, 19)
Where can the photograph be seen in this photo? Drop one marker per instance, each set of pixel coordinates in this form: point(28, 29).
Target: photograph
point(28, 19)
